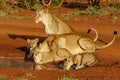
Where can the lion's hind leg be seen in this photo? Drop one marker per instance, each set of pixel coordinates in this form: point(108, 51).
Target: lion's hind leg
point(86, 44)
point(86, 65)
point(92, 63)
point(86, 59)
point(90, 59)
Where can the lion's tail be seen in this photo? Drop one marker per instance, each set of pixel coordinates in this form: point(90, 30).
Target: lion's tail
point(92, 29)
point(104, 46)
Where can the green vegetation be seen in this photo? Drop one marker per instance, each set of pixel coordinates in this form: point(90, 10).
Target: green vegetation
point(113, 18)
point(92, 10)
point(2, 14)
point(12, 6)
point(55, 2)
point(17, 17)
point(19, 78)
point(29, 4)
point(96, 11)
point(29, 74)
point(19, 4)
point(67, 78)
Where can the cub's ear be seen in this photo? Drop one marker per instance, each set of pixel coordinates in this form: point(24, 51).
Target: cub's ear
point(36, 39)
point(28, 40)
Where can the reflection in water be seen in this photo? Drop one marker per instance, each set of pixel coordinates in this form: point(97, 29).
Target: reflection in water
point(16, 64)
point(28, 64)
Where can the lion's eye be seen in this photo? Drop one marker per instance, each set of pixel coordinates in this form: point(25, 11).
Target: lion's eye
point(65, 59)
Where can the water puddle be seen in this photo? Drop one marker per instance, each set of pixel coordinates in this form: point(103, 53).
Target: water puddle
point(28, 64)
point(16, 64)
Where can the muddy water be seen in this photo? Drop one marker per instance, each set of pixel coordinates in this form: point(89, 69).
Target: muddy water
point(16, 64)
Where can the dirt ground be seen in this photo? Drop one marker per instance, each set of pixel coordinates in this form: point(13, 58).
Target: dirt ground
point(13, 46)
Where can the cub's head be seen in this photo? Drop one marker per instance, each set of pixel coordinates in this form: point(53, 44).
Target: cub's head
point(41, 15)
point(68, 63)
point(32, 42)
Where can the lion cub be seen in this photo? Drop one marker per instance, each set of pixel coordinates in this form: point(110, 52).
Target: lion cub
point(33, 44)
point(50, 56)
point(52, 24)
point(81, 61)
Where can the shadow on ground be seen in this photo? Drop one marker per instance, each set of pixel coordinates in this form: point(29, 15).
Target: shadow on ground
point(25, 37)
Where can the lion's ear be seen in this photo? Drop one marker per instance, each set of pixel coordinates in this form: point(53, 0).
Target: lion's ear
point(28, 40)
point(46, 10)
point(37, 39)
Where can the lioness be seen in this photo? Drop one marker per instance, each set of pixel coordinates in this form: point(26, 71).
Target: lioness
point(73, 42)
point(52, 24)
point(81, 61)
point(51, 56)
point(34, 43)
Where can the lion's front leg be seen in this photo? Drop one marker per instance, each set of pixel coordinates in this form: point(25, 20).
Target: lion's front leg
point(38, 67)
point(79, 67)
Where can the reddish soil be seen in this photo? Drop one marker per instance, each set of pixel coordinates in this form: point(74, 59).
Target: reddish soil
point(13, 46)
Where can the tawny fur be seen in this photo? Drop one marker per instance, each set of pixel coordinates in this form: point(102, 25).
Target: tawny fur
point(81, 61)
point(52, 24)
point(51, 56)
point(75, 43)
point(33, 44)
